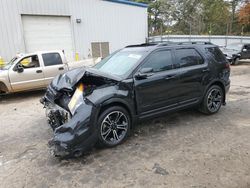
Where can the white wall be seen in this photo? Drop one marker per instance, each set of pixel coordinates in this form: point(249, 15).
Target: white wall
point(102, 21)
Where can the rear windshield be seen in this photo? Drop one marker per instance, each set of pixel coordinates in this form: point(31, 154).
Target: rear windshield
point(216, 54)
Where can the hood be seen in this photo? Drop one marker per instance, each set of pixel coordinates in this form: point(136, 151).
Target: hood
point(68, 80)
point(230, 52)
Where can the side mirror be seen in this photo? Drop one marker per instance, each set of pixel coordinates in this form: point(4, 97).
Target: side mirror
point(19, 68)
point(244, 50)
point(144, 73)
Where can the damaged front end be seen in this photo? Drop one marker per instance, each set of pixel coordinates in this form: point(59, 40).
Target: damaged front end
point(70, 113)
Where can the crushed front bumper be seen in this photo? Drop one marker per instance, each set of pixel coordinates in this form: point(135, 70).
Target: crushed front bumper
point(73, 134)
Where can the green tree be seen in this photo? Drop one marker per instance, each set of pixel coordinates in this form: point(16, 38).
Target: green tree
point(160, 13)
point(188, 17)
point(218, 17)
point(215, 16)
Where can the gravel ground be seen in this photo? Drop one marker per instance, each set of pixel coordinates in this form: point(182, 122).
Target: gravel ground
point(184, 149)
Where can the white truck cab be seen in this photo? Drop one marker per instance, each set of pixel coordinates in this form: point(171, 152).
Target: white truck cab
point(31, 71)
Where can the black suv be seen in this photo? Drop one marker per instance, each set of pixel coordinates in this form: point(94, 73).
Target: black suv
point(100, 105)
point(236, 51)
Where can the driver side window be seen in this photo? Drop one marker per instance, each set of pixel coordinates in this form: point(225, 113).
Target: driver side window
point(30, 62)
point(159, 61)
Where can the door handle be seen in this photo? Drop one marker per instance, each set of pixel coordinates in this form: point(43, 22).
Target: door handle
point(39, 71)
point(168, 77)
point(206, 70)
point(60, 68)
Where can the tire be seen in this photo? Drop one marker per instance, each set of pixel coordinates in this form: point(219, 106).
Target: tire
point(236, 61)
point(212, 101)
point(113, 131)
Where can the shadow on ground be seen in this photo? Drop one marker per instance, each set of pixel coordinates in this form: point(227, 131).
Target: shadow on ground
point(14, 97)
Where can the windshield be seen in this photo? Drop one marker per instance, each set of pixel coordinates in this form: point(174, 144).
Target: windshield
point(120, 63)
point(234, 47)
point(8, 65)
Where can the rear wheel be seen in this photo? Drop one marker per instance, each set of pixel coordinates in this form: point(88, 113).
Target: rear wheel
point(212, 100)
point(113, 126)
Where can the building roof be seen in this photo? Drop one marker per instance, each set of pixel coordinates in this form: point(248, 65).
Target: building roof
point(128, 2)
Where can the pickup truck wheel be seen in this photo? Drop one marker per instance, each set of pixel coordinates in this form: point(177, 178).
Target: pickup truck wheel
point(212, 101)
point(113, 126)
point(3, 88)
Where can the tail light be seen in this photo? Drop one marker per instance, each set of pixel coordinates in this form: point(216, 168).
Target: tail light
point(227, 65)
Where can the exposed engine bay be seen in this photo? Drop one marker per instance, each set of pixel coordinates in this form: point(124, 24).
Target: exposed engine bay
point(71, 103)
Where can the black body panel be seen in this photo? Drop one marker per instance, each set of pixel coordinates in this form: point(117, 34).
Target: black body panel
point(143, 95)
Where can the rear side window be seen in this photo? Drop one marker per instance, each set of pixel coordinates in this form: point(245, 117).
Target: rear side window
point(188, 57)
point(159, 61)
point(51, 59)
point(216, 54)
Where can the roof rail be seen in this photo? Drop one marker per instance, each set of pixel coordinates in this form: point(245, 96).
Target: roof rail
point(168, 43)
point(142, 45)
point(195, 42)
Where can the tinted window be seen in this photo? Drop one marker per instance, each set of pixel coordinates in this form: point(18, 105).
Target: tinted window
point(216, 54)
point(188, 57)
point(247, 47)
point(159, 61)
point(52, 59)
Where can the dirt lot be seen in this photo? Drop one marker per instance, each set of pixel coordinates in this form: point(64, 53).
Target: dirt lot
point(185, 149)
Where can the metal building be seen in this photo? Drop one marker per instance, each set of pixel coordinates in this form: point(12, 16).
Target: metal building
point(79, 27)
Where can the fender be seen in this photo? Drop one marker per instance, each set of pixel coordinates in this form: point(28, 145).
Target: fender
point(124, 103)
point(216, 82)
point(129, 106)
point(4, 88)
point(5, 82)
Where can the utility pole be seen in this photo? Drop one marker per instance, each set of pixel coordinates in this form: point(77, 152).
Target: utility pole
point(242, 33)
point(190, 31)
point(226, 34)
point(161, 31)
point(210, 31)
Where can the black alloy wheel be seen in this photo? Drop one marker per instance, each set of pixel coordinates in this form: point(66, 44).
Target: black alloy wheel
point(213, 100)
point(114, 125)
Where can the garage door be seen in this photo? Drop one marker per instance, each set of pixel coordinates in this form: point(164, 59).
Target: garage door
point(48, 33)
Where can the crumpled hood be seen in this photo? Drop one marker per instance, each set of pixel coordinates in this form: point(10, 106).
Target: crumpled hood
point(68, 80)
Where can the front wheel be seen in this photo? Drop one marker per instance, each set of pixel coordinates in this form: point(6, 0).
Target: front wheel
point(236, 61)
point(113, 126)
point(213, 100)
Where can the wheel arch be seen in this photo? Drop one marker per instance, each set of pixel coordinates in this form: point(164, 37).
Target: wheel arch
point(118, 102)
point(221, 85)
point(3, 88)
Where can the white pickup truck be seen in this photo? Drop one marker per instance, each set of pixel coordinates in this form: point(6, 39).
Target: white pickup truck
point(33, 71)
